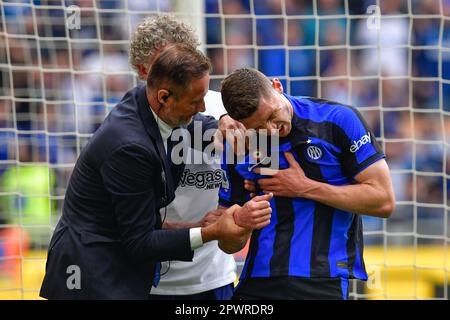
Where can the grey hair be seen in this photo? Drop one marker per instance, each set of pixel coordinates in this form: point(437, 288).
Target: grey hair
point(154, 33)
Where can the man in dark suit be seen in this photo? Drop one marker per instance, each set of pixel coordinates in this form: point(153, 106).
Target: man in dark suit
point(108, 242)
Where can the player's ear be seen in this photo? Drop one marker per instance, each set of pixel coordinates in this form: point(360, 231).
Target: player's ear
point(277, 85)
point(163, 95)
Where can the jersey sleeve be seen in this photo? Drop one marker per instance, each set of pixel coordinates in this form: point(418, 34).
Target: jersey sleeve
point(359, 146)
point(232, 190)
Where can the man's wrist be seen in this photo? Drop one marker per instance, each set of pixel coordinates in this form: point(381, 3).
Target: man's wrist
point(309, 191)
point(236, 217)
point(209, 233)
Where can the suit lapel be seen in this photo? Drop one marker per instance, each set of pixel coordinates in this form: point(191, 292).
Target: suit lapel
point(153, 131)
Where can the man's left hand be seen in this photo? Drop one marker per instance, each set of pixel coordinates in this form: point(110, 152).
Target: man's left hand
point(235, 136)
point(210, 218)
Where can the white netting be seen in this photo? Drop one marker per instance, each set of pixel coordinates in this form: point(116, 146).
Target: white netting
point(58, 81)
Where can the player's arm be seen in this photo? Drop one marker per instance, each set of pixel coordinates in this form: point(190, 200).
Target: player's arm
point(372, 195)
point(252, 213)
point(255, 214)
point(258, 207)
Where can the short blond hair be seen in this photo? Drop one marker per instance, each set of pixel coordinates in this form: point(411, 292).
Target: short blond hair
point(154, 33)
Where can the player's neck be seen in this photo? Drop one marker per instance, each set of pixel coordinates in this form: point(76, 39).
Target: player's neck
point(288, 103)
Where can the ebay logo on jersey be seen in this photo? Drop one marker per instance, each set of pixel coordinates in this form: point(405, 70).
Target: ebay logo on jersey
point(358, 144)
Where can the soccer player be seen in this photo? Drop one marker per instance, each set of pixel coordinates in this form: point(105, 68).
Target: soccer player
point(335, 171)
point(212, 272)
point(108, 242)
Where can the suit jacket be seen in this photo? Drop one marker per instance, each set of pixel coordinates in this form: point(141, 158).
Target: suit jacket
point(110, 226)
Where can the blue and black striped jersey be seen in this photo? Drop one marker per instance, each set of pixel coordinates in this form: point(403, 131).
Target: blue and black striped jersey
point(305, 238)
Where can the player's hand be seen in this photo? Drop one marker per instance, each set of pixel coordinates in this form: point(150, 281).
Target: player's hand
point(250, 186)
point(210, 218)
point(291, 182)
point(232, 238)
point(233, 131)
point(255, 214)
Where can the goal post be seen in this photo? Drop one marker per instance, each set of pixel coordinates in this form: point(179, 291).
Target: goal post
point(192, 12)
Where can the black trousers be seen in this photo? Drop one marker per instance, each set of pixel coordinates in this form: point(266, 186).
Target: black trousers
point(292, 288)
point(221, 293)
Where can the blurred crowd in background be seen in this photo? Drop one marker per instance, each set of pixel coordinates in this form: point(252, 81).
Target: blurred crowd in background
point(57, 85)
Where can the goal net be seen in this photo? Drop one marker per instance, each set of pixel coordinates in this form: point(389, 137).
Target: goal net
point(64, 65)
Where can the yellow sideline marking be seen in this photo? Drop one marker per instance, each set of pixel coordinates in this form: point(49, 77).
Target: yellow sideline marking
point(403, 272)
